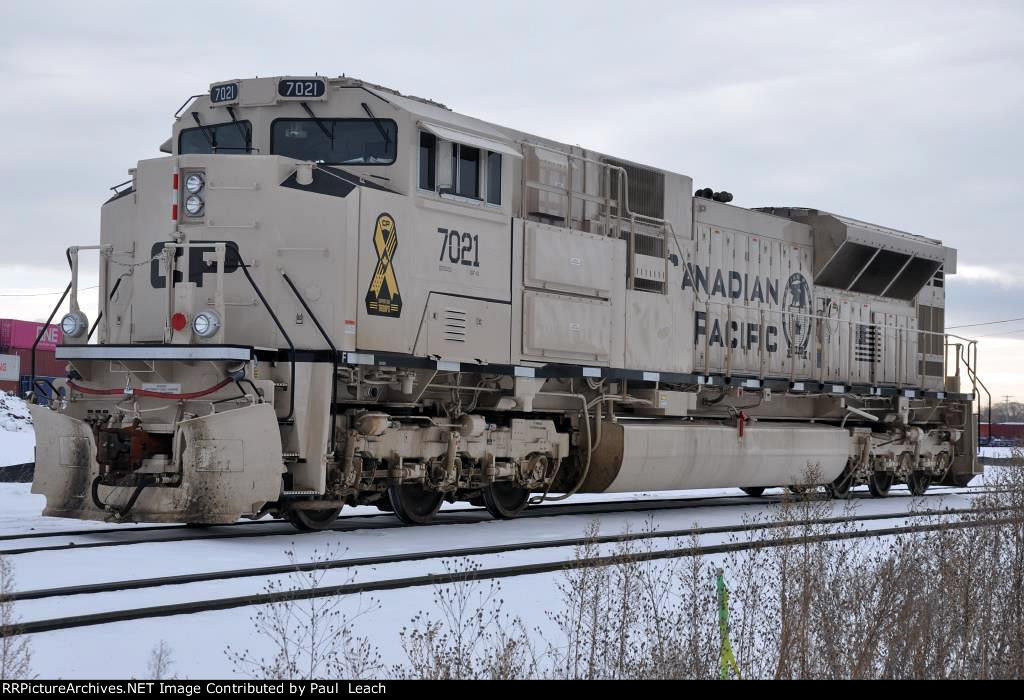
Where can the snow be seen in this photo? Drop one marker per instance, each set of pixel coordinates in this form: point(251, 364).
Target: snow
point(198, 641)
point(999, 452)
point(17, 437)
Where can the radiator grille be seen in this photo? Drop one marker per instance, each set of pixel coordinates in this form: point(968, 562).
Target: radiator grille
point(931, 318)
point(646, 189)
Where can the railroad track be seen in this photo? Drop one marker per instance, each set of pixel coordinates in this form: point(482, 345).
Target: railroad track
point(349, 523)
point(192, 607)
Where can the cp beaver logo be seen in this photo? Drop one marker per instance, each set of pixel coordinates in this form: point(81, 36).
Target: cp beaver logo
point(383, 297)
point(796, 306)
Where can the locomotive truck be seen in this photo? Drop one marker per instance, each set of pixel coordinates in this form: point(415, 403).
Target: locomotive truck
point(327, 293)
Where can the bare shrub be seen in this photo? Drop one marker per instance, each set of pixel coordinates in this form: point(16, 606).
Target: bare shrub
point(944, 603)
point(311, 637)
point(161, 659)
point(472, 638)
point(637, 618)
point(808, 599)
point(15, 650)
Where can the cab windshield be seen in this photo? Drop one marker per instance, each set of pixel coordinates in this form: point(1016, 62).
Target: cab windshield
point(336, 141)
point(229, 137)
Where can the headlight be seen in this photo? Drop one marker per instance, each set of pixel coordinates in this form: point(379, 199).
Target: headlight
point(206, 324)
point(194, 205)
point(194, 183)
point(74, 324)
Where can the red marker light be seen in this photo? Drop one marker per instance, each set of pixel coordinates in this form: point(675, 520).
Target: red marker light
point(179, 321)
point(174, 197)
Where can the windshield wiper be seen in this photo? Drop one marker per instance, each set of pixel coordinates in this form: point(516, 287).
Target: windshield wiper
point(323, 127)
point(242, 131)
point(207, 131)
point(377, 122)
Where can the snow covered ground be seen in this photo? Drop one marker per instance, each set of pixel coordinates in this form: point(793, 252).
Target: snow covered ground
point(17, 438)
point(998, 452)
point(198, 641)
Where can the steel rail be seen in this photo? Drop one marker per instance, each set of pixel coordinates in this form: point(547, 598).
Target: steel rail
point(596, 508)
point(538, 511)
point(193, 607)
point(201, 577)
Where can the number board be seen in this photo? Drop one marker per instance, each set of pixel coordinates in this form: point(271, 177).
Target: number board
point(228, 92)
point(304, 88)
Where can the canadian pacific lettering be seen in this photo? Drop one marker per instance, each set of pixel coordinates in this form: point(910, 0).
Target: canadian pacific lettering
point(746, 287)
point(733, 287)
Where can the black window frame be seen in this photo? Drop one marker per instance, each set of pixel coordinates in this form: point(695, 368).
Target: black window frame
point(326, 120)
point(491, 173)
point(431, 165)
point(206, 128)
point(457, 171)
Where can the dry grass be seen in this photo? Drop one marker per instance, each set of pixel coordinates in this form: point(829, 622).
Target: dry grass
point(938, 604)
point(468, 637)
point(15, 650)
point(310, 637)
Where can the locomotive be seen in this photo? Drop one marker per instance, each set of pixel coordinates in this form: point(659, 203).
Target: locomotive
point(328, 293)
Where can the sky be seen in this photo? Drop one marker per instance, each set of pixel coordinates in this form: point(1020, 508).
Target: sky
point(902, 114)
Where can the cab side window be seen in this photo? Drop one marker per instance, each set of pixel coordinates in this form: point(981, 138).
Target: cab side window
point(454, 169)
point(466, 166)
point(493, 178)
point(428, 161)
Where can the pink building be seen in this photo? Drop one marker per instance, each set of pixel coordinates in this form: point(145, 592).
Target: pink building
point(16, 339)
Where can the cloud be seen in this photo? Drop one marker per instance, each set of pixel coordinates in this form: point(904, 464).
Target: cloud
point(904, 114)
point(973, 274)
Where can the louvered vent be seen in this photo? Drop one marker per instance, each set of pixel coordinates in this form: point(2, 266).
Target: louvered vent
point(931, 318)
point(646, 189)
point(868, 348)
point(455, 325)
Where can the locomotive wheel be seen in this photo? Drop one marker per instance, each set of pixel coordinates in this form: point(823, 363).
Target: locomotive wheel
point(840, 488)
point(754, 491)
point(918, 482)
point(313, 520)
point(879, 484)
point(504, 501)
point(413, 504)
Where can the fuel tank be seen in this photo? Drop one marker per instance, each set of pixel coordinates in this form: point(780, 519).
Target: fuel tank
point(639, 455)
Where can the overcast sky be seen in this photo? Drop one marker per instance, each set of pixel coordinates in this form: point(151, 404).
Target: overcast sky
point(900, 113)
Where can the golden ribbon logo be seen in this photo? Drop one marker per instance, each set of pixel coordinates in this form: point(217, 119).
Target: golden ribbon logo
point(383, 297)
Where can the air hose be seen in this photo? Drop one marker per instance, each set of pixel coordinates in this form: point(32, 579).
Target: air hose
point(151, 394)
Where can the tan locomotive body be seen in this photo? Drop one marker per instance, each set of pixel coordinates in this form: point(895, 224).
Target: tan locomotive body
point(328, 293)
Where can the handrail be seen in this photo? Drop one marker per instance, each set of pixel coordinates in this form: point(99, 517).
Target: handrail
point(168, 252)
point(964, 354)
point(334, 358)
point(899, 337)
point(623, 212)
point(46, 326)
point(186, 103)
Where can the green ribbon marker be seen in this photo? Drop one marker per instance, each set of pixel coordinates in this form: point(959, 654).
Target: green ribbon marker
point(727, 661)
